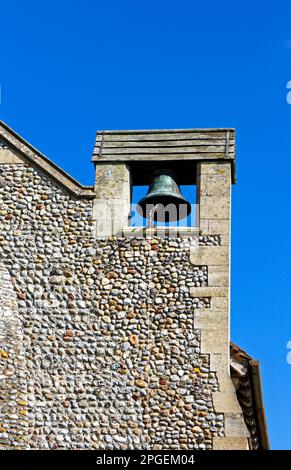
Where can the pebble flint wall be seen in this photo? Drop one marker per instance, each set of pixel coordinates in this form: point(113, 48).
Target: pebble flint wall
point(108, 342)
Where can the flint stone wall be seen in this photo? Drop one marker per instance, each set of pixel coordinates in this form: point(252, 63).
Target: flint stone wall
point(98, 342)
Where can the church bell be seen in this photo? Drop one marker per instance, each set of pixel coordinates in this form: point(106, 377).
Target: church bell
point(164, 201)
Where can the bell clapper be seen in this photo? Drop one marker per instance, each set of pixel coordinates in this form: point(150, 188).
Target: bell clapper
point(151, 215)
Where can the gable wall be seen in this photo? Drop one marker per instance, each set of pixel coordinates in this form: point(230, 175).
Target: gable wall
point(111, 355)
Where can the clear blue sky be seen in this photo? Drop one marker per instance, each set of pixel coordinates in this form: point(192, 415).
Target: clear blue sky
point(70, 68)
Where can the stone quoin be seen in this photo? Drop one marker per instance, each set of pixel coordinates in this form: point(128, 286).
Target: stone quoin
point(112, 337)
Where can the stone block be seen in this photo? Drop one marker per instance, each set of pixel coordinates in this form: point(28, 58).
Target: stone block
point(215, 169)
point(214, 207)
point(209, 291)
point(214, 185)
point(8, 156)
point(112, 187)
point(214, 341)
point(230, 443)
point(225, 401)
point(104, 228)
point(210, 255)
point(209, 318)
point(203, 225)
point(103, 209)
point(111, 174)
point(219, 362)
point(219, 226)
point(218, 276)
point(235, 425)
point(111, 191)
point(225, 239)
point(220, 303)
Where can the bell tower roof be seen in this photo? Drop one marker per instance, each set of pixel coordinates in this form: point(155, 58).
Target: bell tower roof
point(165, 145)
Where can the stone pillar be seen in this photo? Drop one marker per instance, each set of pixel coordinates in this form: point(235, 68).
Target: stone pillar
point(112, 203)
point(214, 199)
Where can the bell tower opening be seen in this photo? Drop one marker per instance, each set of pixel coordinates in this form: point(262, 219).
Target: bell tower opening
point(163, 194)
point(137, 218)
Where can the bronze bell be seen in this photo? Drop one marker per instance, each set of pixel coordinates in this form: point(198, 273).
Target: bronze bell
point(164, 201)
